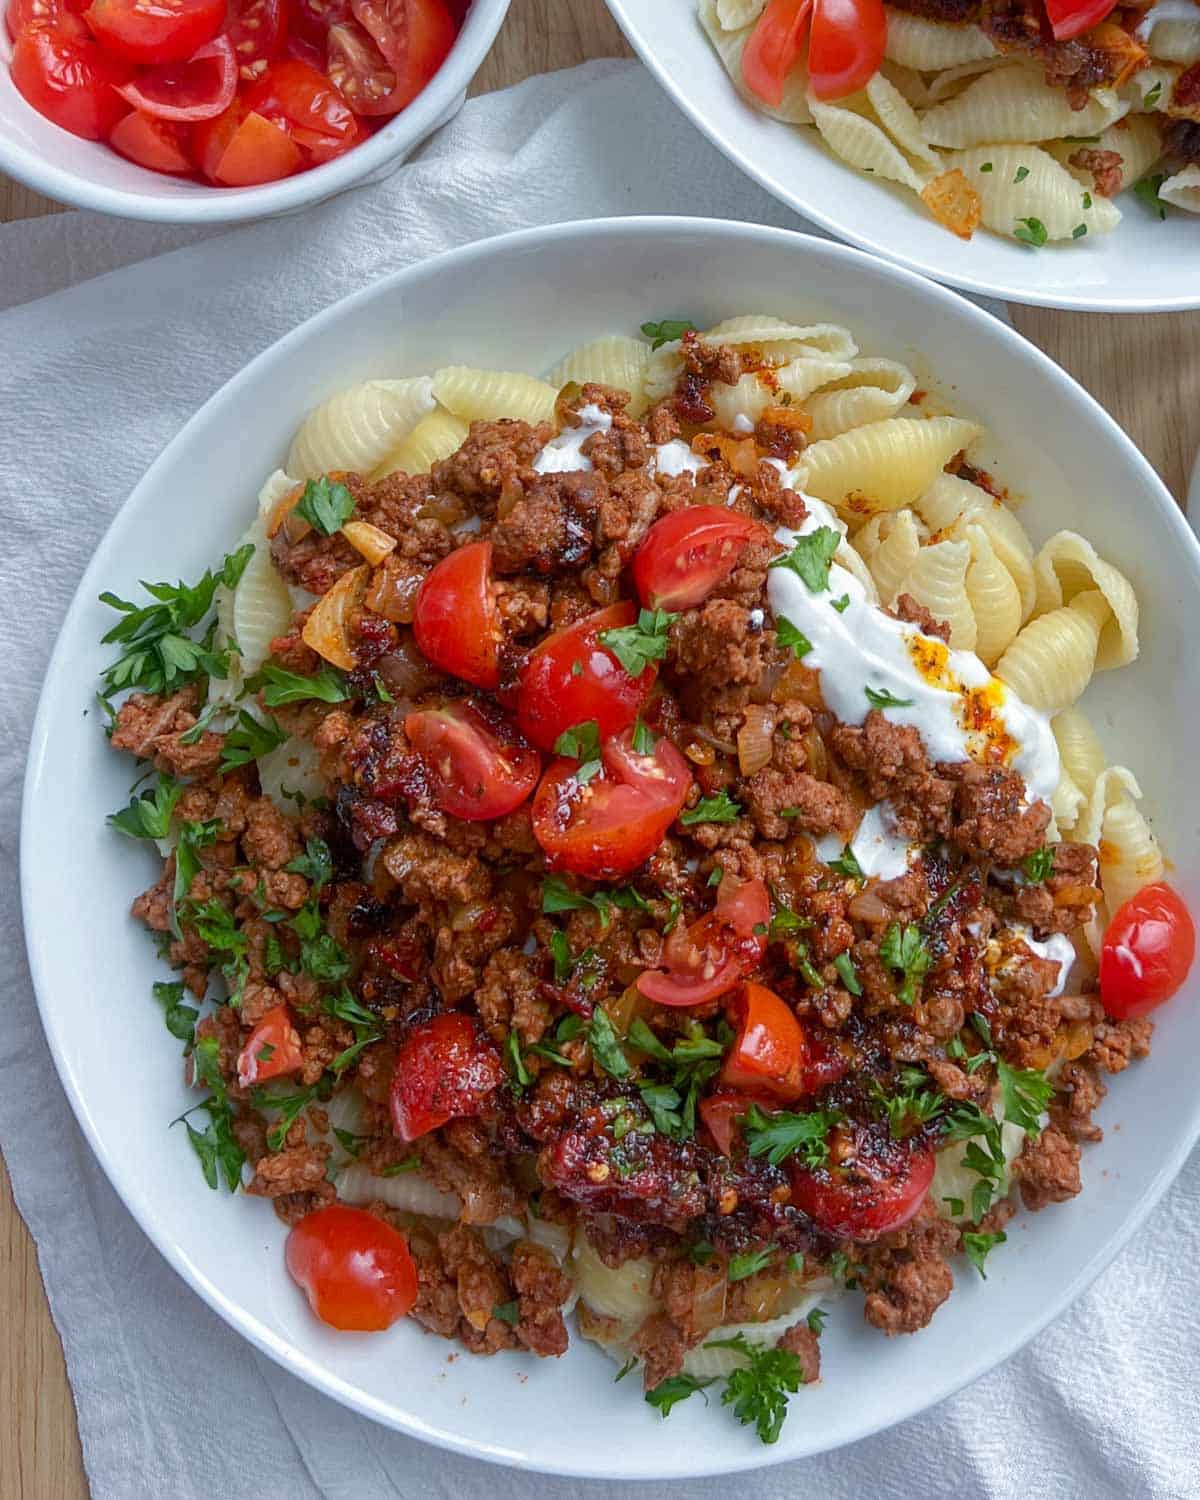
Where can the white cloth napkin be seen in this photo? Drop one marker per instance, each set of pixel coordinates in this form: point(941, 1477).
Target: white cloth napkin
point(94, 379)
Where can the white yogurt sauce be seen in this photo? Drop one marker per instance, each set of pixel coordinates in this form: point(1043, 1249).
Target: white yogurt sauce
point(564, 454)
point(1058, 948)
point(876, 845)
point(860, 647)
point(676, 457)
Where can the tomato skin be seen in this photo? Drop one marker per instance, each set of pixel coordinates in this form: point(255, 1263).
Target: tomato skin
point(445, 1069)
point(476, 765)
point(721, 1110)
point(159, 145)
point(774, 1052)
point(456, 622)
point(554, 698)
point(717, 951)
point(774, 47)
point(846, 46)
point(60, 13)
point(303, 102)
point(686, 554)
point(355, 1270)
point(69, 79)
point(256, 30)
point(277, 1032)
point(1070, 18)
point(154, 31)
point(614, 823)
point(238, 149)
point(199, 89)
point(1147, 952)
point(885, 1190)
point(388, 52)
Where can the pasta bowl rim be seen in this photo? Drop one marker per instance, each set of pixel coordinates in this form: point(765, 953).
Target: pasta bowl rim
point(58, 731)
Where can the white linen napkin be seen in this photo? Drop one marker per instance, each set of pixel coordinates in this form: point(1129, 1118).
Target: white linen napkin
point(94, 379)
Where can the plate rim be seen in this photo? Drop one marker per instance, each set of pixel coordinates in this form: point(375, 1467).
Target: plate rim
point(861, 239)
point(140, 1206)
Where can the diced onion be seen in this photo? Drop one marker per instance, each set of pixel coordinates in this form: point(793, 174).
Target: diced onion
point(754, 739)
point(327, 629)
point(800, 684)
point(282, 509)
point(368, 541)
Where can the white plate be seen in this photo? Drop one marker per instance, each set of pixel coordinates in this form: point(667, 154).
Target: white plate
point(520, 302)
point(1145, 265)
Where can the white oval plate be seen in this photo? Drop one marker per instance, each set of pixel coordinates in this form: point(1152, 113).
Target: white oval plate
point(1144, 265)
point(520, 302)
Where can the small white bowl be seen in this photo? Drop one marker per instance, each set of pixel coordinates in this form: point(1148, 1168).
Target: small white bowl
point(520, 303)
point(90, 174)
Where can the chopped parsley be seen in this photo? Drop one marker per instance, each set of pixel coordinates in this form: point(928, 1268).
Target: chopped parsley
point(978, 1244)
point(279, 686)
point(289, 1107)
point(180, 1019)
point(1147, 190)
point(847, 864)
point(811, 556)
point(817, 1315)
point(905, 949)
point(636, 646)
point(216, 1146)
point(315, 864)
point(325, 504)
point(842, 604)
point(984, 1154)
point(1030, 232)
point(644, 738)
point(605, 1045)
point(693, 1060)
point(912, 1104)
point(630, 1364)
point(847, 973)
point(987, 166)
point(666, 331)
point(581, 743)
point(719, 809)
point(1039, 865)
point(751, 1263)
point(1087, 200)
point(192, 838)
point(321, 956)
point(1079, 231)
point(515, 1063)
point(881, 698)
point(250, 739)
point(149, 816)
point(507, 1312)
point(759, 1391)
point(782, 1134)
point(215, 924)
point(784, 921)
point(557, 896)
point(1026, 1093)
point(676, 1388)
point(787, 635)
point(1153, 95)
point(1022, 174)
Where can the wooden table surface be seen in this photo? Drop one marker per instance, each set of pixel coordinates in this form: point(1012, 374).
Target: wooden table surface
point(1145, 370)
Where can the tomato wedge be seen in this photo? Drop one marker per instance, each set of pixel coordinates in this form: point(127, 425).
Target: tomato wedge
point(612, 823)
point(456, 621)
point(272, 1049)
point(846, 46)
point(160, 145)
point(69, 79)
point(155, 31)
point(445, 1069)
point(199, 89)
point(474, 762)
point(688, 553)
point(775, 1053)
point(62, 13)
point(256, 30)
point(774, 48)
point(355, 1270)
point(721, 1110)
point(303, 102)
point(310, 20)
point(717, 951)
point(879, 1187)
point(1070, 18)
point(384, 57)
point(572, 677)
point(240, 150)
point(1147, 952)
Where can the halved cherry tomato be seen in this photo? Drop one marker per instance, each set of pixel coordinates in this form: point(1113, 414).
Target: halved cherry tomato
point(303, 102)
point(310, 20)
point(355, 1270)
point(1147, 952)
point(846, 46)
point(611, 824)
point(69, 78)
point(879, 1187)
point(685, 556)
point(155, 31)
point(63, 13)
point(717, 951)
point(721, 1110)
point(199, 89)
point(573, 677)
point(455, 618)
point(445, 1069)
point(160, 145)
point(272, 1049)
point(774, 48)
point(240, 149)
point(256, 30)
point(475, 763)
point(1070, 18)
point(774, 1052)
point(384, 57)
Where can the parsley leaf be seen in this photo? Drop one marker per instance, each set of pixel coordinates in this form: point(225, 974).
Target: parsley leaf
point(606, 1048)
point(507, 1312)
point(719, 809)
point(289, 1107)
point(663, 1103)
point(847, 973)
point(904, 948)
point(1026, 1093)
point(758, 1392)
point(192, 837)
point(320, 954)
point(847, 864)
point(1153, 95)
point(515, 1063)
point(842, 604)
point(1147, 190)
point(315, 864)
point(782, 1134)
point(1039, 865)
point(1022, 174)
point(676, 1388)
point(149, 816)
point(279, 686)
point(216, 925)
point(750, 1263)
point(811, 556)
point(250, 739)
point(816, 1320)
point(977, 1244)
point(558, 896)
point(787, 635)
point(636, 646)
point(912, 1104)
point(1079, 231)
point(786, 920)
point(644, 738)
point(180, 1019)
point(666, 331)
point(881, 698)
point(325, 504)
point(581, 743)
point(1031, 231)
point(216, 1146)
point(641, 1037)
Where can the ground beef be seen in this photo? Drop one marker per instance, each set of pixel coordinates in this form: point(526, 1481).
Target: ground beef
point(151, 726)
point(916, 614)
point(812, 806)
point(426, 872)
point(661, 1347)
point(478, 1177)
point(1106, 167)
point(1116, 1043)
point(801, 1341)
point(493, 461)
point(481, 1286)
point(552, 523)
point(991, 820)
point(891, 761)
point(295, 1169)
point(1048, 1169)
point(541, 1289)
point(1078, 1091)
point(1181, 140)
point(270, 839)
point(907, 1275)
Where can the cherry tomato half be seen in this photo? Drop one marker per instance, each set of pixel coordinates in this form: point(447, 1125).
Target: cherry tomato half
point(256, 30)
point(711, 956)
point(240, 149)
point(272, 1049)
point(309, 20)
point(774, 48)
point(573, 677)
point(877, 1189)
point(199, 89)
point(154, 31)
point(63, 13)
point(445, 1069)
point(69, 79)
point(355, 1270)
point(160, 145)
point(846, 46)
point(303, 102)
point(686, 554)
point(773, 1052)
point(612, 823)
point(474, 762)
point(721, 1110)
point(1147, 952)
point(1070, 18)
point(384, 57)
point(455, 618)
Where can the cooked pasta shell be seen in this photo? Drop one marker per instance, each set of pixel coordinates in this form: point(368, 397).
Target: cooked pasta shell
point(1137, 139)
point(358, 428)
point(1051, 661)
point(899, 119)
point(1150, 89)
point(1182, 190)
point(950, 504)
point(950, 83)
point(1079, 749)
point(489, 395)
point(407, 1191)
point(1067, 802)
point(871, 391)
point(928, 46)
point(750, 396)
point(430, 441)
point(1113, 783)
point(704, 1362)
point(775, 340)
point(863, 144)
point(1068, 565)
point(623, 1294)
point(734, 14)
point(618, 361)
point(993, 595)
point(259, 608)
point(290, 770)
point(1017, 104)
point(1130, 857)
point(884, 465)
point(1022, 187)
point(895, 553)
point(1174, 38)
point(938, 579)
point(907, 82)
